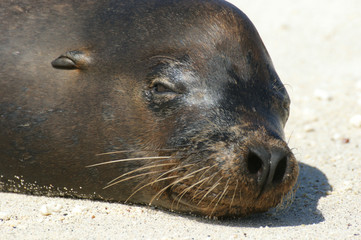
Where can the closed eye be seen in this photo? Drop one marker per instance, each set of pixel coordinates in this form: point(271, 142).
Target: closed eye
point(161, 88)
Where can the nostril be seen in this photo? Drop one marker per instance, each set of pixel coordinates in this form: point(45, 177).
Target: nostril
point(254, 163)
point(280, 170)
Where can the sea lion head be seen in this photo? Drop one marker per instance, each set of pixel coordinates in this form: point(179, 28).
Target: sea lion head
point(195, 98)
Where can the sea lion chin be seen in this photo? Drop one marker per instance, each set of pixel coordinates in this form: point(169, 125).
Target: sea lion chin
point(172, 103)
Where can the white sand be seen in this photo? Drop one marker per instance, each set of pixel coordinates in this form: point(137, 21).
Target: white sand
point(316, 49)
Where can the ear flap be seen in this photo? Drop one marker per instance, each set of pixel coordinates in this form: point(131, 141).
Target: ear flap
point(71, 60)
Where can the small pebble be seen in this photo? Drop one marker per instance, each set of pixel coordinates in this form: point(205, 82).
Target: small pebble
point(346, 186)
point(79, 209)
point(5, 216)
point(45, 211)
point(322, 95)
point(356, 121)
point(336, 137)
point(50, 208)
point(308, 128)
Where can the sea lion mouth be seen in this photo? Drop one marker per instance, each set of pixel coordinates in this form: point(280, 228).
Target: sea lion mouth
point(228, 197)
point(226, 202)
point(233, 181)
point(204, 200)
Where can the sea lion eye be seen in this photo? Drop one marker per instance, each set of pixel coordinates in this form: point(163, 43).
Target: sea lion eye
point(160, 92)
point(160, 88)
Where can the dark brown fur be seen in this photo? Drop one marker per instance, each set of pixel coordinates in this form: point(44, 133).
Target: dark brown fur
point(164, 102)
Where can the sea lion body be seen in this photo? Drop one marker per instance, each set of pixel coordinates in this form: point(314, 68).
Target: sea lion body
point(183, 94)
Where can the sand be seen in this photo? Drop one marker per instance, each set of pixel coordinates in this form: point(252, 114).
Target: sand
point(316, 49)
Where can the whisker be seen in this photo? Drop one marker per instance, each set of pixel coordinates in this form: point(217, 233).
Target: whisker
point(192, 173)
point(174, 169)
point(220, 198)
point(159, 180)
point(128, 178)
point(129, 151)
point(140, 169)
point(289, 138)
point(213, 124)
point(213, 201)
point(187, 189)
point(287, 199)
point(127, 159)
point(210, 178)
point(175, 182)
point(207, 170)
point(210, 190)
point(240, 194)
point(159, 193)
point(196, 192)
point(234, 194)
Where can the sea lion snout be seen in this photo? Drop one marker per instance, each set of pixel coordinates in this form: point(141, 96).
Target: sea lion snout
point(232, 171)
point(268, 166)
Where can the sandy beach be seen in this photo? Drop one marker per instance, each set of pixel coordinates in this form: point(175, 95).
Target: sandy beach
point(316, 50)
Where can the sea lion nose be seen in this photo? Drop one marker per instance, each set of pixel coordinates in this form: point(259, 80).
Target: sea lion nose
point(269, 165)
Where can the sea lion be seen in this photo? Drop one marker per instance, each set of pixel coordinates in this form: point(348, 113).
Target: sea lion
point(173, 103)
